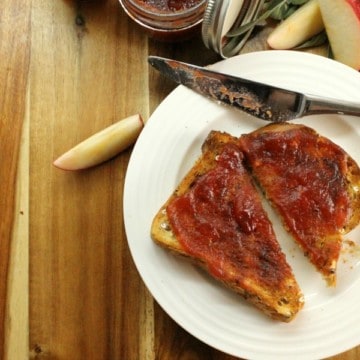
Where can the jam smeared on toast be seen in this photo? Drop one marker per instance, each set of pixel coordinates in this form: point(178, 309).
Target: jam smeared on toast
point(215, 218)
point(220, 220)
point(304, 175)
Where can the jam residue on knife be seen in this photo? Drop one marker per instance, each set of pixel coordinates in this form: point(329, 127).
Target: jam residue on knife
point(220, 220)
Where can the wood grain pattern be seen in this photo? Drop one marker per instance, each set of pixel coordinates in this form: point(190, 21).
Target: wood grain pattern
point(84, 287)
point(71, 69)
point(17, 317)
point(14, 51)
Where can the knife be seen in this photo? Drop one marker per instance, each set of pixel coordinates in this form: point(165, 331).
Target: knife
point(263, 101)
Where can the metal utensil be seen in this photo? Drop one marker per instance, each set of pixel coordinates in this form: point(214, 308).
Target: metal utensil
point(260, 100)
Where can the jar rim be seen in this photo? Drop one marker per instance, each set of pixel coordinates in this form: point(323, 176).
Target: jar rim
point(160, 27)
point(167, 15)
point(166, 30)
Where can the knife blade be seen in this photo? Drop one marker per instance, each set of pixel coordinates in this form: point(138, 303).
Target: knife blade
point(261, 100)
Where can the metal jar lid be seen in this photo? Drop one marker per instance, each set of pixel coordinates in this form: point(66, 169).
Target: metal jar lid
point(223, 15)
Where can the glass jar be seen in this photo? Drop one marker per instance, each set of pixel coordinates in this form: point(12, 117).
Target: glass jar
point(167, 22)
point(215, 18)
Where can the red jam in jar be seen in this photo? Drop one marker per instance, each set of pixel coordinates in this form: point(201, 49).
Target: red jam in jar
point(169, 5)
point(167, 20)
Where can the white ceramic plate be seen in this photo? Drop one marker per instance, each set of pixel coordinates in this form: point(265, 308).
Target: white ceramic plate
point(169, 144)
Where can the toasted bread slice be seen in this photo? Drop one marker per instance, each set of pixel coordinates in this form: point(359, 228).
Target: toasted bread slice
point(215, 218)
point(312, 183)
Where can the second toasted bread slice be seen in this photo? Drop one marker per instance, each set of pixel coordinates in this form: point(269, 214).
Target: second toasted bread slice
point(312, 183)
point(215, 218)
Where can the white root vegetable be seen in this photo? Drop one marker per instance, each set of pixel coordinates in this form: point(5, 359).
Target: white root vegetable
point(103, 145)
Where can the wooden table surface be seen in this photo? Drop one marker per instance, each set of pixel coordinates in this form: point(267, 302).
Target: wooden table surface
point(69, 288)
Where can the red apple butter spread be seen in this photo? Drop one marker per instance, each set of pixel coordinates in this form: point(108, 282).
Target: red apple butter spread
point(304, 176)
point(169, 5)
point(220, 220)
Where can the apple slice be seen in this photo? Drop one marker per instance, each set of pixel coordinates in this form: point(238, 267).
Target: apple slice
point(342, 25)
point(103, 145)
point(300, 26)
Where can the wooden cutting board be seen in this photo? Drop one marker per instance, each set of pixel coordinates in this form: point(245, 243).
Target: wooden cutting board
point(68, 286)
